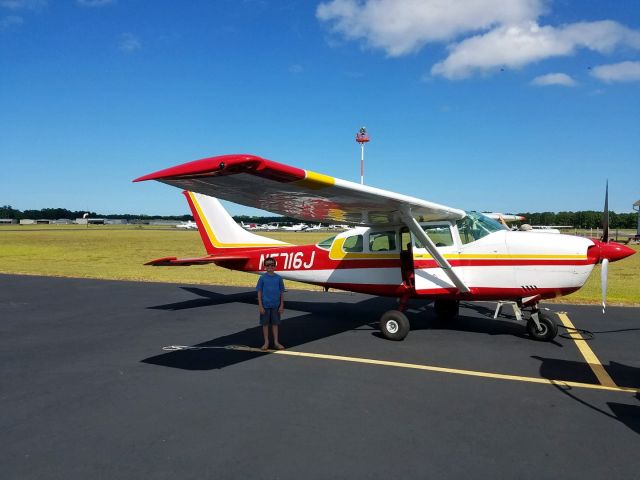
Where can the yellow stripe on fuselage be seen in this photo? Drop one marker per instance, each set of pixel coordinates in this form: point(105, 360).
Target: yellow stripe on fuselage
point(337, 253)
point(496, 256)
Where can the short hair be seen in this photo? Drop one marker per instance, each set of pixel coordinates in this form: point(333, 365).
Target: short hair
point(270, 260)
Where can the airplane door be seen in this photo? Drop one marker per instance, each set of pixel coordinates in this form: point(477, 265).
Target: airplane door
point(406, 257)
point(427, 275)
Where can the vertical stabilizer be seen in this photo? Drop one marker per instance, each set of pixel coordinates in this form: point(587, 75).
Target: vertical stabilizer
point(218, 230)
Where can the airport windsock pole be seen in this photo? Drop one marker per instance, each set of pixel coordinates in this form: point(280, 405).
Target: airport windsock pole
point(362, 137)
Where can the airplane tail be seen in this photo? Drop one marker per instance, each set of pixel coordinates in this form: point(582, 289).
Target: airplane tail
point(219, 232)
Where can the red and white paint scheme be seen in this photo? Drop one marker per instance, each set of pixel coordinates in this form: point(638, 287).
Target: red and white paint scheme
point(400, 246)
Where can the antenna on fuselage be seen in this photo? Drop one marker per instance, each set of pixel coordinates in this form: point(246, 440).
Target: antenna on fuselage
point(362, 137)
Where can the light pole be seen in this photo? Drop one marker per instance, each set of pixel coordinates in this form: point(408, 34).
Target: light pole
point(362, 137)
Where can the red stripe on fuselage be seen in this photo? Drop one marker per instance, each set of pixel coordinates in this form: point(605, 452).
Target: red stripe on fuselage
point(318, 259)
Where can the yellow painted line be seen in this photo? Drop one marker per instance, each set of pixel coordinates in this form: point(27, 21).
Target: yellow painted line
point(590, 357)
point(471, 373)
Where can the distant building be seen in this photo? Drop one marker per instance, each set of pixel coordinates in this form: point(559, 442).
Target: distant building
point(90, 221)
point(27, 221)
point(8, 221)
point(168, 223)
point(63, 221)
point(115, 221)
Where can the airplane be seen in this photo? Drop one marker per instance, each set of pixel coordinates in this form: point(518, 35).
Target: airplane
point(188, 225)
point(506, 217)
point(313, 228)
point(399, 246)
point(249, 226)
point(270, 226)
point(298, 227)
point(545, 228)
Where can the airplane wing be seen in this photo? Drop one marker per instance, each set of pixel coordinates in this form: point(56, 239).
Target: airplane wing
point(256, 182)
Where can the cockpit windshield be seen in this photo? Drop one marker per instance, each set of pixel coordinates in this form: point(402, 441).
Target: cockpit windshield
point(474, 226)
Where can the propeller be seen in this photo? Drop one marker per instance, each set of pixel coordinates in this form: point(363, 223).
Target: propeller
point(603, 279)
point(605, 238)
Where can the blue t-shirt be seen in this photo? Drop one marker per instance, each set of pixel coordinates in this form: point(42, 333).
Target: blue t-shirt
point(271, 287)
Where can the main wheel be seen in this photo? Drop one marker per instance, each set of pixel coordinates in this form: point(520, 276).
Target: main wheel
point(446, 309)
point(548, 327)
point(394, 325)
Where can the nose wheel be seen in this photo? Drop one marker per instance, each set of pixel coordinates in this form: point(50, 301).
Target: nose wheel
point(543, 326)
point(394, 325)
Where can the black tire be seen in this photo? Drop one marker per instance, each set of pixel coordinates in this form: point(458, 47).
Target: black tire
point(548, 324)
point(446, 309)
point(394, 325)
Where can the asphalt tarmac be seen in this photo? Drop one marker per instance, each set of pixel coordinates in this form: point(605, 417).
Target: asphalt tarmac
point(87, 391)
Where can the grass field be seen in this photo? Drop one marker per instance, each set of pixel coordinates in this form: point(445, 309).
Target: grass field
point(119, 252)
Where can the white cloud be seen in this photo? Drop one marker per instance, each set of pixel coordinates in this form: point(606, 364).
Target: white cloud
point(19, 6)
point(10, 21)
point(517, 45)
point(35, 5)
point(404, 26)
point(129, 42)
point(554, 79)
point(94, 3)
point(618, 72)
point(490, 34)
point(296, 68)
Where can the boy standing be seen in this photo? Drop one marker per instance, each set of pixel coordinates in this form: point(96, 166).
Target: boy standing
point(270, 289)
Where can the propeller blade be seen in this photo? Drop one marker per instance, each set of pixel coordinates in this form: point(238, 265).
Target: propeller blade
point(603, 279)
point(605, 216)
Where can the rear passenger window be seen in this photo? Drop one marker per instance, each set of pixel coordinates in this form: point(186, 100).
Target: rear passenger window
point(353, 244)
point(382, 241)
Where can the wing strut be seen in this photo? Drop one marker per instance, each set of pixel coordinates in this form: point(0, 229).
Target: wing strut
point(416, 229)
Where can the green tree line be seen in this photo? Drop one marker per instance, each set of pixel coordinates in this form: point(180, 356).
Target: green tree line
point(7, 211)
point(582, 219)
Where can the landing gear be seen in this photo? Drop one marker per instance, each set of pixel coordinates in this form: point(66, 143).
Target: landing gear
point(446, 309)
point(394, 325)
point(542, 326)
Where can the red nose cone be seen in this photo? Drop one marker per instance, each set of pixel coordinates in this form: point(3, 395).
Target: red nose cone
point(615, 251)
point(612, 251)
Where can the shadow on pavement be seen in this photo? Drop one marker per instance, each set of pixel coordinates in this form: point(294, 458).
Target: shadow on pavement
point(321, 320)
point(622, 375)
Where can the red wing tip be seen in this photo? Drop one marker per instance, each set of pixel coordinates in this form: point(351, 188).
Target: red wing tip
point(202, 166)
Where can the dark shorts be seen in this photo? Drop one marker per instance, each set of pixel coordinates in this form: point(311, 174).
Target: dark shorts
point(271, 316)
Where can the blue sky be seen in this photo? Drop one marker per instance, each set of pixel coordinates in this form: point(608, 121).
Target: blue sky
point(526, 105)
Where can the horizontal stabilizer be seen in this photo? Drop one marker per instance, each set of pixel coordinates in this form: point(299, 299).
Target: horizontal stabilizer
point(180, 262)
point(221, 260)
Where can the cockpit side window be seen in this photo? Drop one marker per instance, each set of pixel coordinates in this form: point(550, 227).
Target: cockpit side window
point(439, 234)
point(353, 243)
point(382, 241)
